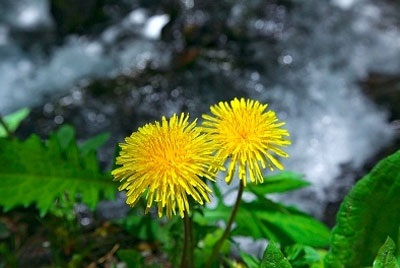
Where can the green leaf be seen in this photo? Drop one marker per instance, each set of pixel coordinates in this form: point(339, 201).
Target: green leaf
point(38, 172)
point(287, 224)
point(282, 182)
point(131, 257)
point(142, 227)
point(94, 143)
point(273, 257)
point(270, 220)
point(213, 215)
point(167, 234)
point(368, 215)
point(302, 256)
point(206, 246)
point(386, 255)
point(65, 136)
point(13, 121)
point(250, 260)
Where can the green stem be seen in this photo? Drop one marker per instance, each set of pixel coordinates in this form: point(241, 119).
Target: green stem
point(187, 253)
point(227, 231)
point(4, 125)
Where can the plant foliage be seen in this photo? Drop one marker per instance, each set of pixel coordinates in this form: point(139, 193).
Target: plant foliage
point(13, 120)
point(269, 219)
point(279, 183)
point(33, 171)
point(386, 255)
point(368, 215)
point(273, 257)
point(56, 173)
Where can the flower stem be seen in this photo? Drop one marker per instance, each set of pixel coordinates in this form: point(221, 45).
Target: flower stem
point(225, 235)
point(187, 253)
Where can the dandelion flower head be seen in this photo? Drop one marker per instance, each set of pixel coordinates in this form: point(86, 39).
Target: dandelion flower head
point(166, 160)
point(247, 134)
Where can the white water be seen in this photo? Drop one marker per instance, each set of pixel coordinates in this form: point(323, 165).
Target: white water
point(332, 123)
point(26, 78)
point(314, 89)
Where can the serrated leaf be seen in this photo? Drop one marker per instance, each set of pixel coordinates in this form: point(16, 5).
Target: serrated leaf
point(386, 255)
point(273, 257)
point(368, 215)
point(13, 121)
point(282, 182)
point(38, 172)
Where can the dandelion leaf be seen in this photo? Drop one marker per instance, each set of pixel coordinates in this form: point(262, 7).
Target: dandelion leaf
point(386, 255)
point(264, 218)
point(368, 215)
point(282, 182)
point(284, 224)
point(273, 257)
point(38, 172)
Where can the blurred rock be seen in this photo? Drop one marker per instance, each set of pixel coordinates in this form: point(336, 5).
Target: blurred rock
point(76, 16)
point(384, 89)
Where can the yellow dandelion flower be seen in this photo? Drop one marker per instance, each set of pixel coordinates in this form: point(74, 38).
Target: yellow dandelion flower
point(247, 134)
point(166, 160)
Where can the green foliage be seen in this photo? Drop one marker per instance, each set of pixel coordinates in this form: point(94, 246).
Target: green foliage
point(142, 227)
point(368, 215)
point(13, 120)
point(386, 255)
point(269, 219)
point(8, 258)
point(206, 245)
point(39, 172)
point(301, 256)
point(167, 235)
point(131, 257)
point(93, 144)
point(284, 224)
point(279, 183)
point(146, 228)
point(56, 173)
point(273, 257)
point(250, 260)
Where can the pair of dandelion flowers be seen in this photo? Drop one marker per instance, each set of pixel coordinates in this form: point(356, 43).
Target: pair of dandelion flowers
point(169, 161)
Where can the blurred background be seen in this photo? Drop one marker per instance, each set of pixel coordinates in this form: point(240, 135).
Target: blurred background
point(330, 69)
